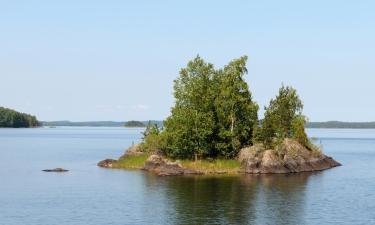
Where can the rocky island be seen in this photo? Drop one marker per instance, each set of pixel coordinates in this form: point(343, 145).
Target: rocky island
point(214, 129)
point(251, 160)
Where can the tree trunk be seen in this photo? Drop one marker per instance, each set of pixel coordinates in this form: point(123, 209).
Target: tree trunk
point(232, 125)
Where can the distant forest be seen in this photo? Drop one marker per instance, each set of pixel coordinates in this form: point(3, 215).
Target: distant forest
point(102, 123)
point(14, 119)
point(329, 124)
point(134, 123)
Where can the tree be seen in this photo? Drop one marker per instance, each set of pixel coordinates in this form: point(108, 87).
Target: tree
point(283, 118)
point(189, 130)
point(151, 140)
point(235, 110)
point(214, 115)
point(298, 130)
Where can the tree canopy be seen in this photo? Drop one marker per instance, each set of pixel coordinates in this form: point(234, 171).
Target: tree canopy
point(283, 119)
point(12, 118)
point(214, 115)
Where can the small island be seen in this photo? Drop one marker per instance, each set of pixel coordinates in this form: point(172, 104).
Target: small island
point(214, 129)
point(134, 123)
point(12, 119)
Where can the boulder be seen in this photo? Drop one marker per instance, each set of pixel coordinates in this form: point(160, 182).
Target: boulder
point(290, 157)
point(271, 164)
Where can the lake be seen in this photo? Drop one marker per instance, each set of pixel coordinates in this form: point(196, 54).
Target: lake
point(89, 195)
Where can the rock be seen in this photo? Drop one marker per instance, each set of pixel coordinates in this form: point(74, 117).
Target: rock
point(55, 170)
point(271, 164)
point(107, 163)
point(250, 159)
point(290, 163)
point(164, 167)
point(291, 157)
point(133, 150)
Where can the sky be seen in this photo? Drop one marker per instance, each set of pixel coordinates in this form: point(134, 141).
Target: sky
point(116, 60)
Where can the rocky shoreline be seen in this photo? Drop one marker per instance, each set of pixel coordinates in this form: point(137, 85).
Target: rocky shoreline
point(290, 157)
point(164, 167)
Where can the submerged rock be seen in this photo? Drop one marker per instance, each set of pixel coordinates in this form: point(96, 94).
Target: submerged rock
point(55, 170)
point(290, 157)
point(164, 167)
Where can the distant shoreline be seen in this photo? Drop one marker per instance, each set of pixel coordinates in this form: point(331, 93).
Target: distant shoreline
point(341, 125)
point(99, 123)
point(328, 124)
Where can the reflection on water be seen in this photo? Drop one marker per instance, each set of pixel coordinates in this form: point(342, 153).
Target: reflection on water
point(244, 199)
point(282, 198)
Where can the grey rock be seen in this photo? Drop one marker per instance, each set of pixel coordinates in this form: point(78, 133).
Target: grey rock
point(56, 170)
point(292, 157)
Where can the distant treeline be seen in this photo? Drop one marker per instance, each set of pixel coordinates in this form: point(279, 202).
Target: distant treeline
point(12, 118)
point(338, 124)
point(329, 124)
point(102, 123)
point(134, 123)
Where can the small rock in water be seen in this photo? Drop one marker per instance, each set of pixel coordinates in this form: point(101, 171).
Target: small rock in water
point(55, 170)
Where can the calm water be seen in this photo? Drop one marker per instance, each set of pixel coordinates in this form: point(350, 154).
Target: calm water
point(90, 195)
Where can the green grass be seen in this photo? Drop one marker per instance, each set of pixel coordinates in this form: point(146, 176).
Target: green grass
point(131, 162)
point(215, 166)
point(228, 166)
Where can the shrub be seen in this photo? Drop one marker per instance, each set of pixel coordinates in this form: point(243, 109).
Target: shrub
point(152, 141)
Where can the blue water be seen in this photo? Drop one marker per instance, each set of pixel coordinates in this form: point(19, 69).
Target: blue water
point(89, 195)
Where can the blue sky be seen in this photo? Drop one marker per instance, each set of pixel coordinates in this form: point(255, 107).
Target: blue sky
point(116, 60)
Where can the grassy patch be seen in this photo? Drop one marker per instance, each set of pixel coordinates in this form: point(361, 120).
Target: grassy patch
point(131, 162)
point(229, 166)
point(215, 166)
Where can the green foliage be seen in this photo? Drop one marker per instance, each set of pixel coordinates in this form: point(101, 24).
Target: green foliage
point(283, 119)
point(298, 130)
point(12, 118)
point(214, 114)
point(134, 123)
point(266, 133)
point(235, 110)
point(152, 140)
point(189, 130)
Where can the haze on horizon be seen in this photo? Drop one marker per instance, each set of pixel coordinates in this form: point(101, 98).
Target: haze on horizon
point(116, 60)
